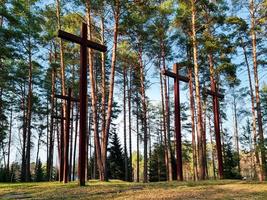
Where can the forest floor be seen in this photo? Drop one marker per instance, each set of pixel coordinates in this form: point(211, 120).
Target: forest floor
point(225, 189)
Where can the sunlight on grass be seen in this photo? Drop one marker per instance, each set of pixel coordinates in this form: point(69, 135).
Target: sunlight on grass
point(116, 189)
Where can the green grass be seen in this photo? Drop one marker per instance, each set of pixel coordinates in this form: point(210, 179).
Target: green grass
point(114, 189)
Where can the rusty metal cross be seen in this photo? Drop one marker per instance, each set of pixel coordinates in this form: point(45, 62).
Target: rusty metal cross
point(216, 111)
point(84, 44)
point(178, 136)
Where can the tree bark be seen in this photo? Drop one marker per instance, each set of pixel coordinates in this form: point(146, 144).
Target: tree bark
point(236, 135)
point(197, 92)
point(9, 139)
point(93, 97)
point(192, 109)
point(144, 112)
point(51, 137)
point(130, 120)
point(111, 88)
point(137, 135)
point(253, 113)
point(257, 92)
point(124, 124)
point(166, 157)
point(167, 115)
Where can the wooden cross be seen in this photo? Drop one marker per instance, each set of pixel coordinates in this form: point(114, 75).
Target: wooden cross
point(64, 156)
point(216, 111)
point(84, 44)
point(177, 78)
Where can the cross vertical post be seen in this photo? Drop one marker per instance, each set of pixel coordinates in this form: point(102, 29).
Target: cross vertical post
point(82, 96)
point(84, 44)
point(178, 136)
point(216, 112)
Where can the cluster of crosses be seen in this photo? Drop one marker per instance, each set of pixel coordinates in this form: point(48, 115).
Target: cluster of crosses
point(64, 141)
point(177, 117)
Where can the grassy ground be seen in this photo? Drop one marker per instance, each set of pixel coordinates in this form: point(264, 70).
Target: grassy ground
point(225, 189)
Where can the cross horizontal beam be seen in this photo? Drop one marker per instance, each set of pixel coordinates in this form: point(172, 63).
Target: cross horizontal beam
point(173, 75)
point(73, 38)
point(212, 93)
point(66, 98)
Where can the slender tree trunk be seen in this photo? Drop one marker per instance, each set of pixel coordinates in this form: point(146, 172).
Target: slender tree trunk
point(201, 163)
point(130, 121)
point(75, 143)
point(144, 112)
point(72, 127)
point(253, 112)
point(212, 152)
point(137, 135)
point(62, 75)
point(192, 109)
point(24, 135)
point(103, 69)
point(257, 92)
point(9, 139)
point(93, 97)
point(29, 114)
point(166, 157)
point(204, 136)
point(37, 153)
point(124, 124)
point(51, 137)
point(111, 88)
point(167, 116)
point(236, 135)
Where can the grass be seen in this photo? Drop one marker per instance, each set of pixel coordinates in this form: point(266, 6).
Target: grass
point(225, 189)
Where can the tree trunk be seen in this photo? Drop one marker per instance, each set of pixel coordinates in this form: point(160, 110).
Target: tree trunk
point(212, 152)
point(9, 139)
point(192, 109)
point(137, 135)
point(236, 135)
point(24, 135)
point(254, 124)
point(130, 121)
point(257, 92)
point(111, 88)
point(201, 163)
point(29, 116)
point(75, 143)
point(93, 97)
point(144, 112)
point(167, 116)
point(204, 136)
point(124, 124)
point(51, 137)
point(62, 75)
point(166, 157)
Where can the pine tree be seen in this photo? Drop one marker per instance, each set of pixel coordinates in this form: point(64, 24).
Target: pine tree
point(116, 168)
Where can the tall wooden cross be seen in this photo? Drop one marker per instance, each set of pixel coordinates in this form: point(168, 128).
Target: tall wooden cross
point(65, 142)
point(178, 136)
point(84, 44)
point(216, 111)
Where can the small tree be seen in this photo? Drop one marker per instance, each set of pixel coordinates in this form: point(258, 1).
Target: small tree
point(230, 159)
point(157, 168)
point(39, 172)
point(115, 158)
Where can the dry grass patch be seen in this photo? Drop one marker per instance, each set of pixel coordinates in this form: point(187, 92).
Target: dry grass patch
point(114, 189)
